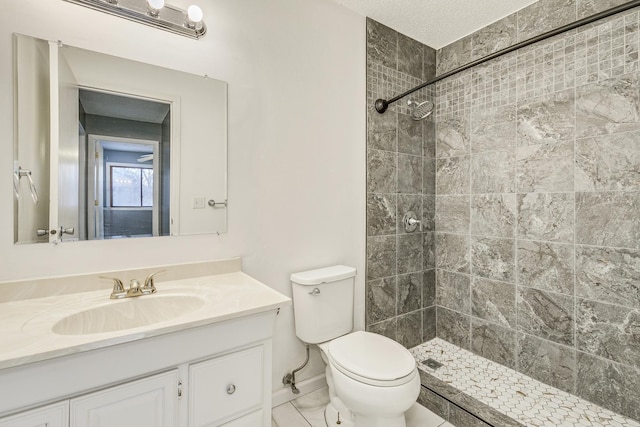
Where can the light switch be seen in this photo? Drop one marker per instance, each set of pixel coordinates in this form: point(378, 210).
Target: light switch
point(198, 203)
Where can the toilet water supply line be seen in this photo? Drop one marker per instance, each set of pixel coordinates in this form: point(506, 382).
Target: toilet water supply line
point(290, 379)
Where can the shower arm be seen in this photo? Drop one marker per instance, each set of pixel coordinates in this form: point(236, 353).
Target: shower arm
point(382, 104)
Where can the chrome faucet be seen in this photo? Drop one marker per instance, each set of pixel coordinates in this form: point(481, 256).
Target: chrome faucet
point(118, 288)
point(135, 290)
point(149, 285)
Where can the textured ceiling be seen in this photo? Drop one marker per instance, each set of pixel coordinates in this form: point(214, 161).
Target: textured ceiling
point(436, 23)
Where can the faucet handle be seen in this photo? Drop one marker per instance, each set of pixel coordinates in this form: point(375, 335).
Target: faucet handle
point(149, 286)
point(118, 287)
point(134, 288)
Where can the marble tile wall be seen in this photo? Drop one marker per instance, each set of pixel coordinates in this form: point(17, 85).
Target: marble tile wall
point(533, 20)
point(400, 282)
point(537, 191)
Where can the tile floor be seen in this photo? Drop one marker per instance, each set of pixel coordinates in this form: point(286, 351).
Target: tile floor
point(308, 410)
point(518, 396)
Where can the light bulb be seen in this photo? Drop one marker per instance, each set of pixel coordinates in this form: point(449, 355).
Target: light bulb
point(194, 13)
point(154, 7)
point(156, 4)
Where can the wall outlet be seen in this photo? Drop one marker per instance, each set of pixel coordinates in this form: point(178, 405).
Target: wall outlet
point(198, 203)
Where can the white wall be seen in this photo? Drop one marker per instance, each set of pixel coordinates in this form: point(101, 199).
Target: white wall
point(296, 74)
point(32, 63)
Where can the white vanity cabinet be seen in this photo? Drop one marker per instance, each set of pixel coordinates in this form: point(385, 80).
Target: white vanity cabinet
point(149, 402)
point(56, 415)
point(170, 363)
point(211, 375)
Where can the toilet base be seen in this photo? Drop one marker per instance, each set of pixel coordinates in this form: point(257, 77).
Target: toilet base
point(332, 416)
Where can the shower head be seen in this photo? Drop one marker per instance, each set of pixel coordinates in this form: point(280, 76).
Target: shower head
point(420, 110)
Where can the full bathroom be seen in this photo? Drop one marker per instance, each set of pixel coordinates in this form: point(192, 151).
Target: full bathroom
point(303, 213)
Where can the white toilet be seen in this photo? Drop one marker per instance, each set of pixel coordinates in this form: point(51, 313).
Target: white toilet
point(372, 379)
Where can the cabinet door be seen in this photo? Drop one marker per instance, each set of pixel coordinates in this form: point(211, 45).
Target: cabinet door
point(226, 387)
point(149, 402)
point(49, 416)
point(252, 420)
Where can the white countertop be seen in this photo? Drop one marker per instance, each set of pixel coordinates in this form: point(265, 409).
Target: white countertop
point(26, 325)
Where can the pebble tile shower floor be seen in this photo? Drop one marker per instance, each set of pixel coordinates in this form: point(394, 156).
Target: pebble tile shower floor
point(518, 396)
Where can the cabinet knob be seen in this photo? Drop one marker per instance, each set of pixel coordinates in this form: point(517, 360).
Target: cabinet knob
point(231, 389)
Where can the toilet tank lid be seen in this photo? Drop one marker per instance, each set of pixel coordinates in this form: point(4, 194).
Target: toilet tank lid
point(323, 275)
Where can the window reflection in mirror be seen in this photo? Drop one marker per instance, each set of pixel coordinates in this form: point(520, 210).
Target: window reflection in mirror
point(122, 197)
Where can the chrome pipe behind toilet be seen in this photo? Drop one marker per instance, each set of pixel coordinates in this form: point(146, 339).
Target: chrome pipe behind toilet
point(290, 379)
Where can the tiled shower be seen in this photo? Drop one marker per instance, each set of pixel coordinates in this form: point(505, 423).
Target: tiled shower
point(400, 265)
point(527, 181)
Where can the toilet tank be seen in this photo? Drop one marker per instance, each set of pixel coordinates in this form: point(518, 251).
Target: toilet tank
point(323, 303)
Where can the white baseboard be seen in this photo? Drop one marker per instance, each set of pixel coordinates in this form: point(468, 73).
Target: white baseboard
point(306, 386)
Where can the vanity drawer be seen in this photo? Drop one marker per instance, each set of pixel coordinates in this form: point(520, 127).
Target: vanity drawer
point(226, 387)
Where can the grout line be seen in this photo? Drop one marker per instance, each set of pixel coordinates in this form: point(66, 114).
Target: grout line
point(300, 416)
point(435, 202)
point(299, 412)
point(469, 118)
point(575, 229)
point(516, 233)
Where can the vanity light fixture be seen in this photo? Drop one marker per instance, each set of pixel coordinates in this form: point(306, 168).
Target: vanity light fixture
point(154, 13)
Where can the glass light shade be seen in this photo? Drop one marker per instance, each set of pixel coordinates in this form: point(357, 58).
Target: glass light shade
point(194, 13)
point(156, 4)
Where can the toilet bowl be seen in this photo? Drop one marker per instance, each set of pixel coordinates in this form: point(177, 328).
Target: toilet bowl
point(372, 379)
point(375, 379)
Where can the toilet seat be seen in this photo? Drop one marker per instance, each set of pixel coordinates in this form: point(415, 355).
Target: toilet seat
point(371, 359)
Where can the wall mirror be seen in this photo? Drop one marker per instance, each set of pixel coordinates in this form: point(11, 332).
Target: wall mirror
point(110, 148)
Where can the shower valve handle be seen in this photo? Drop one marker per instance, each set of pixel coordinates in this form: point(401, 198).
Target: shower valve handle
point(411, 222)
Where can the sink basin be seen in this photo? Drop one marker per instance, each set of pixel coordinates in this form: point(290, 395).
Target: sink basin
point(127, 314)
